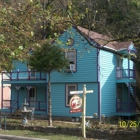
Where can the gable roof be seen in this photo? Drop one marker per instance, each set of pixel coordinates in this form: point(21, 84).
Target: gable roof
point(104, 40)
point(122, 45)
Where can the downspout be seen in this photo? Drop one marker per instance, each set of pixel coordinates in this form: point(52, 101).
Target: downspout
point(46, 99)
point(2, 96)
point(99, 87)
point(128, 68)
point(46, 94)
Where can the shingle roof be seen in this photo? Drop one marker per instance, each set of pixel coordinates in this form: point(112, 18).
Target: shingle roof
point(104, 40)
point(122, 45)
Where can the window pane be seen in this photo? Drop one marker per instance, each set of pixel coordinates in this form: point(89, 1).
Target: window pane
point(71, 88)
point(71, 56)
point(32, 92)
point(69, 97)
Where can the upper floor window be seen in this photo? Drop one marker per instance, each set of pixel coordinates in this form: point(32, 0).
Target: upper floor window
point(71, 56)
point(70, 87)
point(119, 62)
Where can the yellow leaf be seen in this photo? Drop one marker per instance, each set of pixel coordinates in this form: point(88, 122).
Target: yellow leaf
point(32, 33)
point(86, 10)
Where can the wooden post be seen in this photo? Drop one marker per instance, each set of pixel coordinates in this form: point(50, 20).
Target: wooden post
point(84, 107)
point(84, 112)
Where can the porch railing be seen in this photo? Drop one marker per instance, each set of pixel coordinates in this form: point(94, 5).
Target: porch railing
point(125, 73)
point(23, 75)
point(125, 107)
point(39, 105)
point(9, 104)
point(12, 105)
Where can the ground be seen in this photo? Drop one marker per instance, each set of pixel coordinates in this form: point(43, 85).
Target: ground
point(70, 130)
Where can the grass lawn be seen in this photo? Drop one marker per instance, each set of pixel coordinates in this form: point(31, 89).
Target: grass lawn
point(57, 124)
point(34, 134)
point(43, 123)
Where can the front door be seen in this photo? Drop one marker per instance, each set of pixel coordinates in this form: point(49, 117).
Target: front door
point(119, 96)
point(32, 96)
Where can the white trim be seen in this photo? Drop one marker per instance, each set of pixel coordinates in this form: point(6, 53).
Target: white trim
point(122, 49)
point(66, 94)
point(109, 48)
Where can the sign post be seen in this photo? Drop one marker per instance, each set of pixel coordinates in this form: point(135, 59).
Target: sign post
point(84, 107)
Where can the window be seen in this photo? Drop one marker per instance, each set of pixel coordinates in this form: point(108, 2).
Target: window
point(71, 56)
point(119, 67)
point(70, 87)
point(32, 96)
point(32, 92)
point(119, 62)
point(70, 41)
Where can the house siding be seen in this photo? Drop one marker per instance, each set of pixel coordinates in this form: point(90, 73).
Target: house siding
point(86, 68)
point(108, 83)
point(59, 107)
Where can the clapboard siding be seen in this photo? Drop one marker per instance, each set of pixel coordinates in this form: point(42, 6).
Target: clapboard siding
point(108, 83)
point(58, 100)
point(19, 66)
point(86, 61)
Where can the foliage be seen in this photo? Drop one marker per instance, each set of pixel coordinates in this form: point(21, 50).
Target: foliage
point(119, 20)
point(23, 24)
point(47, 58)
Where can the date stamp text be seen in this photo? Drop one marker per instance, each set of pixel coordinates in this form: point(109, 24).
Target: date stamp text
point(131, 124)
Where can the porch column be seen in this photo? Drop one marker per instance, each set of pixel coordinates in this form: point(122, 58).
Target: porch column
point(46, 100)
point(2, 96)
point(128, 69)
point(17, 88)
point(28, 98)
point(128, 97)
point(135, 96)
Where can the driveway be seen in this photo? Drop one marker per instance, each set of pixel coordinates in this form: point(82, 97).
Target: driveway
point(11, 137)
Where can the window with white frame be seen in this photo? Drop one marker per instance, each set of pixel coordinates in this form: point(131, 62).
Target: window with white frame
point(71, 56)
point(70, 87)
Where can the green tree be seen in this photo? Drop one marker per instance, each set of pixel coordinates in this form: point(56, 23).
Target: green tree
point(48, 58)
point(23, 24)
point(119, 20)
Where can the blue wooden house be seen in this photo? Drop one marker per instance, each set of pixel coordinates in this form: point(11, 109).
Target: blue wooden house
point(111, 77)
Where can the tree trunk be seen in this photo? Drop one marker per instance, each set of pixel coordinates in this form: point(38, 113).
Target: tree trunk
point(49, 102)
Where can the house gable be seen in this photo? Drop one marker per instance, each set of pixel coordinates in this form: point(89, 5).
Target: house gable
point(86, 59)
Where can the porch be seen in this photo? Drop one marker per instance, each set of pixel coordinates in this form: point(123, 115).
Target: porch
point(10, 106)
point(125, 73)
point(34, 93)
point(23, 75)
point(125, 107)
point(126, 99)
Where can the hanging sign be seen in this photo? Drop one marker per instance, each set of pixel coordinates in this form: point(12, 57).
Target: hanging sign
point(75, 104)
